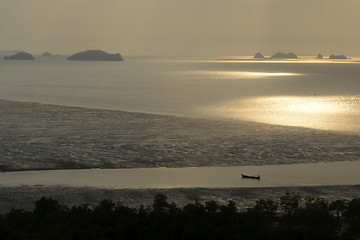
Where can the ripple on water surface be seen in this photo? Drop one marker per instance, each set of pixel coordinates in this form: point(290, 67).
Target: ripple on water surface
point(40, 136)
point(337, 113)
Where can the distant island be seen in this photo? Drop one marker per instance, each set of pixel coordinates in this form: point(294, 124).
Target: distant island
point(281, 55)
point(284, 55)
point(20, 56)
point(259, 55)
point(338, 57)
point(47, 54)
point(95, 55)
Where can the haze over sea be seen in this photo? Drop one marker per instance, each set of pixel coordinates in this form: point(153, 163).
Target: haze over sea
point(319, 94)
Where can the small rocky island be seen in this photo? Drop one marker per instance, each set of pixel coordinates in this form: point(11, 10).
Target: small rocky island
point(259, 55)
point(95, 55)
point(20, 56)
point(338, 57)
point(47, 54)
point(319, 56)
point(284, 55)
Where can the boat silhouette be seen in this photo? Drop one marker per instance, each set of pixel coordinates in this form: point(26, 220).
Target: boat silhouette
point(251, 177)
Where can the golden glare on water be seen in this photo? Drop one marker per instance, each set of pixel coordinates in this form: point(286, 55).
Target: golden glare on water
point(300, 105)
point(320, 112)
point(242, 74)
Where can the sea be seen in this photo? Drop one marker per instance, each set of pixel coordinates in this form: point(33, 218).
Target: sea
point(305, 92)
point(180, 112)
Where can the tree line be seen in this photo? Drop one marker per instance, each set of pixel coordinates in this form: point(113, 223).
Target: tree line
point(292, 216)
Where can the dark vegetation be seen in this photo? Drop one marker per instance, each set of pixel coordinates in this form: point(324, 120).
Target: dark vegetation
point(291, 217)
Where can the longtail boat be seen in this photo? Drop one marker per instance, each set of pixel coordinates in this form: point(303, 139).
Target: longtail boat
point(251, 177)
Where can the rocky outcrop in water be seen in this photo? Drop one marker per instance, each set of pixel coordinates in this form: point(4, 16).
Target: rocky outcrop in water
point(284, 55)
point(319, 56)
point(338, 57)
point(95, 55)
point(47, 54)
point(20, 56)
point(259, 55)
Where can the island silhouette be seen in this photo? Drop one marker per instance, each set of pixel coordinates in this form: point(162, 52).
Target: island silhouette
point(284, 55)
point(20, 56)
point(337, 57)
point(95, 55)
point(47, 54)
point(259, 55)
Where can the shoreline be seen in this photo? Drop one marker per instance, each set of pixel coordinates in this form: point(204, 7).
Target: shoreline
point(291, 175)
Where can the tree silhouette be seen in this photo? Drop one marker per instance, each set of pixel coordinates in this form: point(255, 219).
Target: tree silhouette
point(290, 202)
point(45, 206)
point(338, 207)
point(315, 219)
point(160, 203)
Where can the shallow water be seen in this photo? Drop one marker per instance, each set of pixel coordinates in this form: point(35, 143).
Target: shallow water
point(321, 94)
point(41, 136)
point(319, 174)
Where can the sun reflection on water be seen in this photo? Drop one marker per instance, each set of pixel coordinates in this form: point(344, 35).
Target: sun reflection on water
point(242, 74)
point(304, 105)
point(339, 113)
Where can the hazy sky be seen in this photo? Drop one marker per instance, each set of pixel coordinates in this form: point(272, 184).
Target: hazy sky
point(185, 27)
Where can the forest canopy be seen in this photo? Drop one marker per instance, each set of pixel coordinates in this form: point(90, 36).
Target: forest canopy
point(290, 217)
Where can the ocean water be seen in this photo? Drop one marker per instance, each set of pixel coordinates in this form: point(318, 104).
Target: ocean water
point(43, 136)
point(317, 94)
point(177, 112)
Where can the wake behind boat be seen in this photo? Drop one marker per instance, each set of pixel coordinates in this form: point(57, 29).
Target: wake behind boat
point(251, 177)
